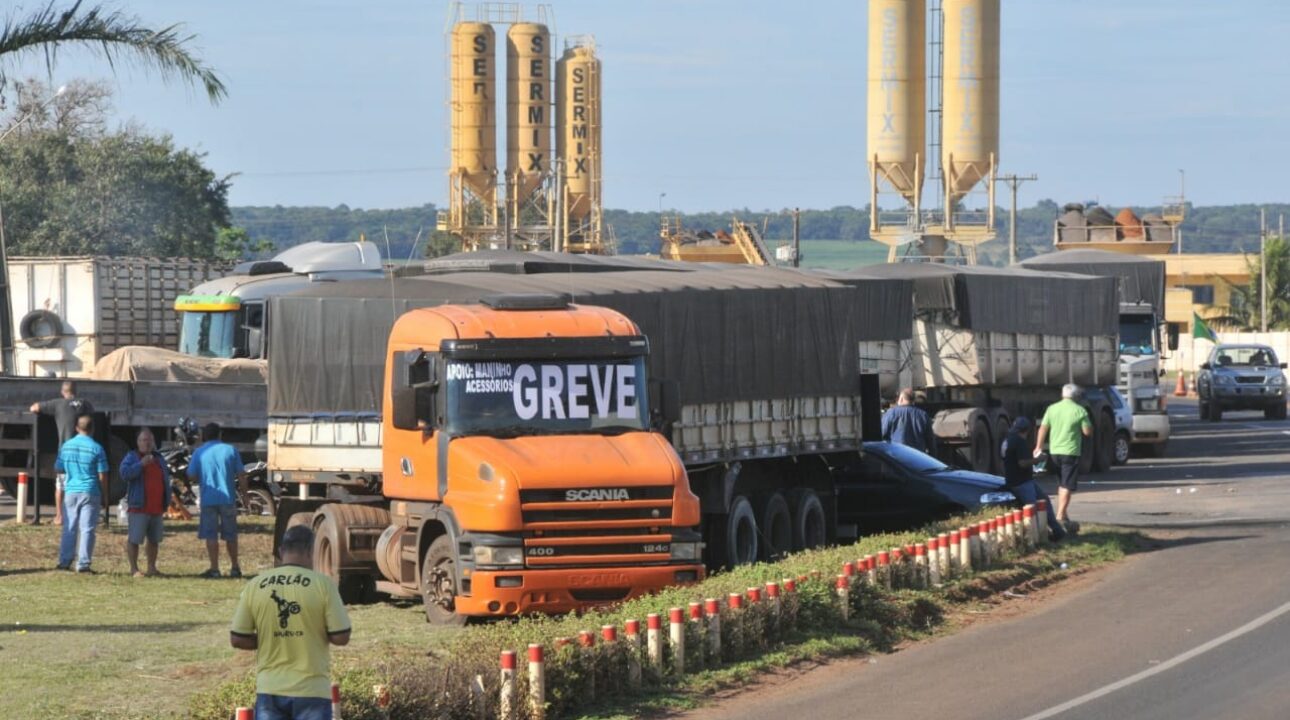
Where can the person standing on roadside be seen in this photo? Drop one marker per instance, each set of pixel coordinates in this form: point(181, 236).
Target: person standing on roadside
point(147, 483)
point(1019, 473)
point(1065, 425)
point(65, 410)
point(85, 465)
point(908, 424)
point(222, 479)
point(290, 616)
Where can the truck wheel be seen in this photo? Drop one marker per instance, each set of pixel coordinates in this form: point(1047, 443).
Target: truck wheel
point(776, 528)
point(354, 588)
point(982, 459)
point(1103, 442)
point(1121, 447)
point(439, 584)
point(741, 533)
point(810, 528)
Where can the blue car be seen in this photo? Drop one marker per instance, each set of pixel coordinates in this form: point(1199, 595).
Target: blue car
point(894, 487)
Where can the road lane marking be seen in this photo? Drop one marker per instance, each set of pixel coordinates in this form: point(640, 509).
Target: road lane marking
point(1171, 663)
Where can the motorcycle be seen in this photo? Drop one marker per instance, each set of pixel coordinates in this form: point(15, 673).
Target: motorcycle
point(261, 495)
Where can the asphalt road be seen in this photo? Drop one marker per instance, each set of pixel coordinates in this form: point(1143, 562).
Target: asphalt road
point(1197, 628)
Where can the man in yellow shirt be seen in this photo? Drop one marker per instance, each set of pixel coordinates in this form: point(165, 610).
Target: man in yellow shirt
point(289, 616)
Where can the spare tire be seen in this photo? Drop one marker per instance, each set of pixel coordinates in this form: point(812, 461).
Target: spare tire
point(40, 329)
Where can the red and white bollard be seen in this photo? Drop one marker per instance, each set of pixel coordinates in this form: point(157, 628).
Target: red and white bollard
point(943, 555)
point(965, 549)
point(870, 569)
point(772, 595)
point(1041, 520)
point(884, 569)
point(632, 629)
point(654, 640)
point(712, 608)
point(676, 617)
point(1018, 531)
point(983, 544)
point(920, 565)
point(244, 713)
point(897, 568)
point(381, 693)
point(1028, 521)
point(844, 596)
point(754, 595)
point(586, 638)
point(696, 619)
point(506, 693)
point(933, 561)
point(954, 552)
point(849, 569)
point(335, 699)
point(20, 515)
point(537, 682)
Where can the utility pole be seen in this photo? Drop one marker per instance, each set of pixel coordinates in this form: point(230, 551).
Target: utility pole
point(1263, 270)
point(797, 241)
point(1013, 182)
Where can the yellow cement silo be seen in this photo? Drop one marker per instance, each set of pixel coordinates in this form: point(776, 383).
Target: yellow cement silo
point(472, 107)
point(970, 120)
point(528, 108)
point(897, 94)
point(578, 128)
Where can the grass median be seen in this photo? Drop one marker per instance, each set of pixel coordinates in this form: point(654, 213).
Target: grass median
point(116, 647)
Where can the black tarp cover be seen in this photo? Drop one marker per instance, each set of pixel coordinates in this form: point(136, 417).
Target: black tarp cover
point(1014, 300)
point(1142, 279)
point(720, 335)
point(518, 262)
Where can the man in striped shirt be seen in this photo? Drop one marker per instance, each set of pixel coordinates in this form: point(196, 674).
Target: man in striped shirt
point(86, 467)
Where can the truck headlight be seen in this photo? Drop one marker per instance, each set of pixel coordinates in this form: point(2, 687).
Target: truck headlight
point(687, 550)
point(1223, 379)
point(997, 498)
point(1277, 379)
point(498, 555)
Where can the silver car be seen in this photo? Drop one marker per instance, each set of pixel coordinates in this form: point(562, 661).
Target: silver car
point(1242, 377)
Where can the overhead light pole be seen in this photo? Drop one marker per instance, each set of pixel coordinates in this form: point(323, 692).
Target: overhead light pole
point(6, 302)
point(1014, 181)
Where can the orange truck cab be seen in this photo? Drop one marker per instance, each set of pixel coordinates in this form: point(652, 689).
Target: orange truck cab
point(518, 470)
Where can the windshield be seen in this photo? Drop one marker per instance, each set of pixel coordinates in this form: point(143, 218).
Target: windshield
point(509, 399)
point(1137, 335)
point(208, 334)
point(1257, 356)
point(913, 459)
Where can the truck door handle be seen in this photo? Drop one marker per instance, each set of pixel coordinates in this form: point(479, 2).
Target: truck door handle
point(406, 465)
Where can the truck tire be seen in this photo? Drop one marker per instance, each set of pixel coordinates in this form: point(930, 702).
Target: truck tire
point(40, 329)
point(1103, 442)
point(776, 528)
point(982, 459)
point(439, 583)
point(810, 526)
point(741, 533)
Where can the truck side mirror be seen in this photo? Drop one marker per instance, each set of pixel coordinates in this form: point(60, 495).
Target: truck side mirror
point(1283, 366)
point(412, 390)
point(1205, 366)
point(1173, 336)
point(254, 341)
point(665, 399)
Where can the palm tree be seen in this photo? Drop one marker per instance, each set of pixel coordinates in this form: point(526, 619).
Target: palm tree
point(1246, 300)
point(112, 36)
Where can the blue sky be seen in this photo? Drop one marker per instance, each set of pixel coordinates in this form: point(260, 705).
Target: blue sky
point(729, 103)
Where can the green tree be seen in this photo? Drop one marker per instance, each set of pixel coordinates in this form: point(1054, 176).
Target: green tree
point(235, 243)
point(113, 36)
point(71, 187)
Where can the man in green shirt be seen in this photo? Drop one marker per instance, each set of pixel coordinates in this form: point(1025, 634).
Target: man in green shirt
point(1065, 425)
point(289, 616)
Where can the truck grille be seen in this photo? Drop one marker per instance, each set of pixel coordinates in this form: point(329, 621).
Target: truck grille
point(1250, 379)
point(588, 526)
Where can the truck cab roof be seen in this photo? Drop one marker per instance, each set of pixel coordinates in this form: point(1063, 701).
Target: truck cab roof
point(478, 321)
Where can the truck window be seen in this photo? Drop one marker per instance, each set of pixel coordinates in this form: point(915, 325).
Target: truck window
point(510, 398)
point(208, 333)
point(1137, 335)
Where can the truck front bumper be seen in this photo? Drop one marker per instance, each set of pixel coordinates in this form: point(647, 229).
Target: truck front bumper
point(1249, 397)
point(494, 593)
point(1149, 429)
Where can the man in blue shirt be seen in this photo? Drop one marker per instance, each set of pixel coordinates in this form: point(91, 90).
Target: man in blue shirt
point(218, 468)
point(907, 424)
point(85, 464)
point(1019, 473)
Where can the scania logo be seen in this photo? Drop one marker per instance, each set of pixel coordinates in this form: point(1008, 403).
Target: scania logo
point(596, 494)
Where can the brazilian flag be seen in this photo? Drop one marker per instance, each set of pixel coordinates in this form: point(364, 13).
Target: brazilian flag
point(1200, 330)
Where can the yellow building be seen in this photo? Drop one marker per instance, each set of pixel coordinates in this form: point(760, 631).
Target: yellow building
point(1201, 283)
